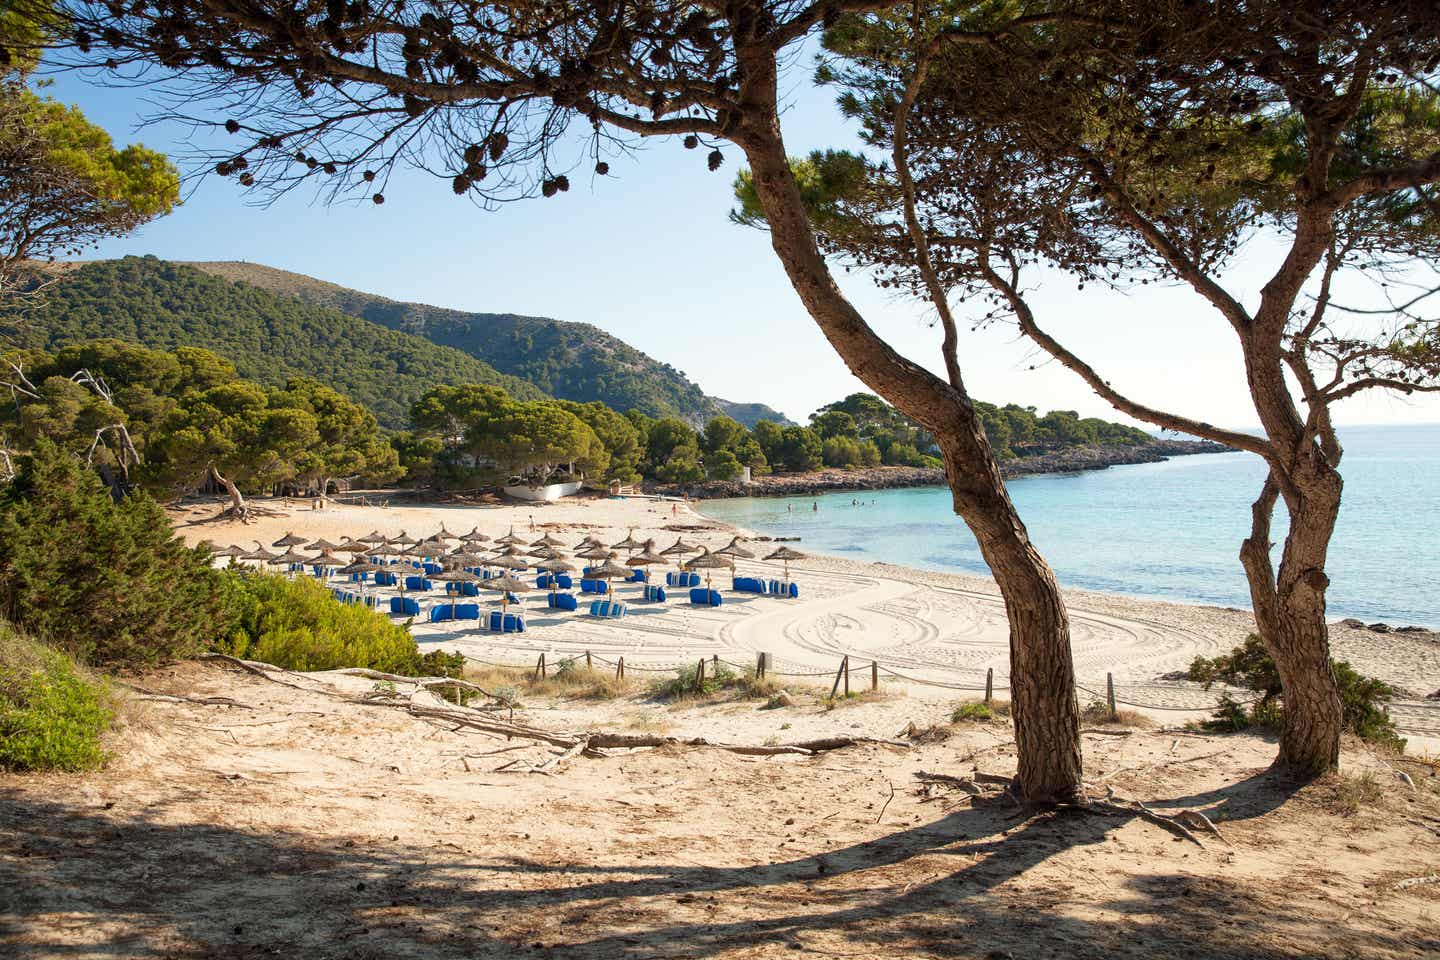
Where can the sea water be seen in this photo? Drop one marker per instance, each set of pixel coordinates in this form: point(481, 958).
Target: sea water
point(1167, 530)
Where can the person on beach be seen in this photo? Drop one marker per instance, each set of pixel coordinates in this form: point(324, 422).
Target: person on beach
point(815, 506)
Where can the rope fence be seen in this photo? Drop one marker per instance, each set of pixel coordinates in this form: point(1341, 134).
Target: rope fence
point(843, 673)
point(1416, 718)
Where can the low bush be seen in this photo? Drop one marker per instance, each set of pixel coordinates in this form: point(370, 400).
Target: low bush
point(978, 711)
point(109, 582)
point(570, 679)
point(299, 625)
point(1251, 667)
point(1098, 711)
point(52, 711)
point(719, 678)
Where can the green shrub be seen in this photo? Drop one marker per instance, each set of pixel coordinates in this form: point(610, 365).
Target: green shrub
point(718, 676)
point(1251, 667)
point(52, 713)
point(299, 625)
point(973, 711)
point(107, 581)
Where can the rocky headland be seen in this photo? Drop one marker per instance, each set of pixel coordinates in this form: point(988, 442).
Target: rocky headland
point(1072, 460)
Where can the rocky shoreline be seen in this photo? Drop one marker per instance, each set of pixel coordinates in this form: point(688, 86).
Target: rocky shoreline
point(1073, 460)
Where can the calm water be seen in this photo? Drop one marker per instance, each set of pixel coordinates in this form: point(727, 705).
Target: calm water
point(1169, 530)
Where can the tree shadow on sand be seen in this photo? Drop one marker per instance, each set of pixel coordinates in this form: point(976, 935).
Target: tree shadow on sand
point(83, 881)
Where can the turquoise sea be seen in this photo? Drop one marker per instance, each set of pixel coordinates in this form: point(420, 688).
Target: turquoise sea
point(1166, 530)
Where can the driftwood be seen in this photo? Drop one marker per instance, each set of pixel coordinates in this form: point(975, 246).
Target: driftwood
point(144, 694)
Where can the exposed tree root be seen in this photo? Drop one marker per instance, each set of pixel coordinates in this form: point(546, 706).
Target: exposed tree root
point(983, 787)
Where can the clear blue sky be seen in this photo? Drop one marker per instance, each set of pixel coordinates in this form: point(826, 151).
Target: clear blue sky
point(649, 255)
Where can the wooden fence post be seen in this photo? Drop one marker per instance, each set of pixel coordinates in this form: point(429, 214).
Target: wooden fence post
point(874, 675)
point(843, 672)
point(700, 676)
point(620, 669)
point(989, 685)
point(588, 664)
point(760, 666)
point(1110, 696)
point(540, 666)
point(845, 665)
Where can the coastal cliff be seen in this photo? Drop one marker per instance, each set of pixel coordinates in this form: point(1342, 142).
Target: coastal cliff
point(1072, 460)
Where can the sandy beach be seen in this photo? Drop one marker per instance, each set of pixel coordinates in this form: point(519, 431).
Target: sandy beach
point(935, 634)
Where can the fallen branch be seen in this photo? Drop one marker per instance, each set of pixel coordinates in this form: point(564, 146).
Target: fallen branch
point(265, 670)
point(1417, 881)
point(144, 694)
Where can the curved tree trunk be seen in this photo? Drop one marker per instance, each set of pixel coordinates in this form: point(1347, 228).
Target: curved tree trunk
point(238, 507)
point(1042, 669)
point(1290, 614)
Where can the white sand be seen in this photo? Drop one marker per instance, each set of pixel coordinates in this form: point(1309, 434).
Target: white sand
point(945, 630)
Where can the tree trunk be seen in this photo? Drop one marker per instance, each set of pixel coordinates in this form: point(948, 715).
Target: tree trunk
point(1290, 614)
point(1042, 670)
point(237, 500)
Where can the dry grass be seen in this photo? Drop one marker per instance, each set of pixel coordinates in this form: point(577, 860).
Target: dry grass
point(1098, 713)
point(1349, 795)
point(569, 680)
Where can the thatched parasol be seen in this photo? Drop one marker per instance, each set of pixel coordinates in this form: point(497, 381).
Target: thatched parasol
point(375, 537)
point(597, 553)
point(708, 561)
point(680, 548)
point(231, 551)
point(588, 542)
point(475, 536)
point(456, 575)
point(443, 534)
point(322, 544)
point(546, 553)
point(785, 554)
point(509, 563)
point(259, 553)
point(733, 549)
point(289, 540)
point(629, 543)
point(556, 566)
point(508, 585)
point(359, 566)
point(510, 539)
point(548, 541)
point(645, 559)
point(404, 540)
point(356, 546)
point(327, 559)
point(464, 558)
point(608, 571)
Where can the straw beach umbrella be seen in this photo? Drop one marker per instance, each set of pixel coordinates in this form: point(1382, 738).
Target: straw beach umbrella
point(456, 575)
point(608, 571)
point(289, 540)
point(289, 557)
point(629, 543)
point(785, 554)
point(403, 540)
point(230, 552)
point(362, 567)
point(259, 554)
point(556, 565)
point(548, 541)
point(708, 561)
point(375, 537)
point(322, 544)
point(679, 548)
point(510, 539)
point(443, 534)
point(589, 541)
point(733, 549)
point(507, 585)
point(475, 536)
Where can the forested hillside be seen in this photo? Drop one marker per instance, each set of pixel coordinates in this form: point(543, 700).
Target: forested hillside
point(572, 361)
point(269, 338)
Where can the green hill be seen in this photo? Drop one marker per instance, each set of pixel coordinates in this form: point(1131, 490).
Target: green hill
point(572, 361)
point(269, 337)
